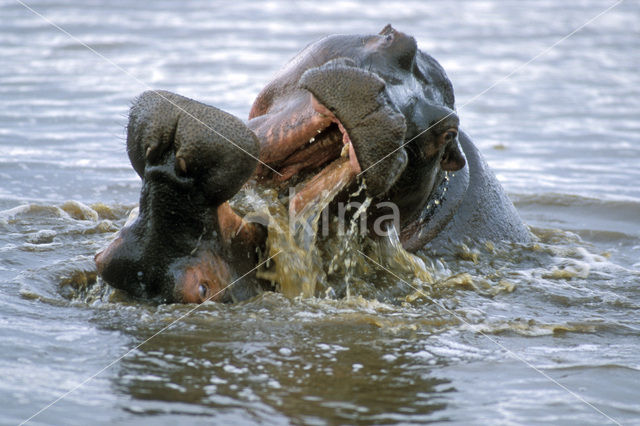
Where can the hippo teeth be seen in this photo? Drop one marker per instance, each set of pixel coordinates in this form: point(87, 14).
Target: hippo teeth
point(345, 151)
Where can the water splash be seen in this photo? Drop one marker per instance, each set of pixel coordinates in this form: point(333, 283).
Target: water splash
point(348, 241)
point(320, 253)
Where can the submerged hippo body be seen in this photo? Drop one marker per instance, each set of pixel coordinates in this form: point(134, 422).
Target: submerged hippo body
point(346, 108)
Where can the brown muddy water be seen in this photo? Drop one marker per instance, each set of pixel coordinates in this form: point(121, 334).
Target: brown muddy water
point(500, 334)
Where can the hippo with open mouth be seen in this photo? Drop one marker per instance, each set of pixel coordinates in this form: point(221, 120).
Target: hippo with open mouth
point(347, 108)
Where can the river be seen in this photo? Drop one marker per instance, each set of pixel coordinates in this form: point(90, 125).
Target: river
point(547, 333)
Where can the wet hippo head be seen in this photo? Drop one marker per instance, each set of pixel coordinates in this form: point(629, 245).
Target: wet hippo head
point(389, 102)
point(191, 158)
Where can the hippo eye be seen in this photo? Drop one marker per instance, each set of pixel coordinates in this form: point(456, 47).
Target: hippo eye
point(450, 135)
point(202, 291)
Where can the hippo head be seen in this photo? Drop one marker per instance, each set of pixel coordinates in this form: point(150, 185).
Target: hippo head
point(392, 104)
point(192, 158)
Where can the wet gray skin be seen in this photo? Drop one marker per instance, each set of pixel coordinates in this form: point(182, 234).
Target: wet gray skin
point(391, 101)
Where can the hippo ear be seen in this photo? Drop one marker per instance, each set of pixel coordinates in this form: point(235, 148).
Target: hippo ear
point(453, 159)
point(376, 128)
point(388, 29)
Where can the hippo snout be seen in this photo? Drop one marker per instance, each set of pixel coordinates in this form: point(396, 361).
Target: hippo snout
point(120, 264)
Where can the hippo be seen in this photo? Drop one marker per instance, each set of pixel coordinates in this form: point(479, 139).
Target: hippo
point(369, 110)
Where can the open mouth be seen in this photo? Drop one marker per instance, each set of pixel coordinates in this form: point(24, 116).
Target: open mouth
point(342, 115)
point(326, 162)
point(301, 140)
point(328, 144)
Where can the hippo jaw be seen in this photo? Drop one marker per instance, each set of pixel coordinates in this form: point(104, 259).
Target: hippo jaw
point(371, 125)
point(341, 110)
